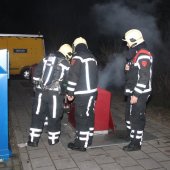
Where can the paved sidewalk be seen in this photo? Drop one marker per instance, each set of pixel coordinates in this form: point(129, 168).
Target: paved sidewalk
point(155, 153)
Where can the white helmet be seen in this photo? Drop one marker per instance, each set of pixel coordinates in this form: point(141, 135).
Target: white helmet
point(133, 37)
point(66, 50)
point(79, 40)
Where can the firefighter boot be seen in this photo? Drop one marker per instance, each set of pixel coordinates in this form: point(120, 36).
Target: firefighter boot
point(33, 143)
point(132, 146)
point(76, 146)
point(53, 143)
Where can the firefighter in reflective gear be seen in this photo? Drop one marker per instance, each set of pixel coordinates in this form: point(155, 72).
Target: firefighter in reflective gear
point(82, 87)
point(49, 77)
point(137, 88)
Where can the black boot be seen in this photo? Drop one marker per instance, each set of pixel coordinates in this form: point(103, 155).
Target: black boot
point(132, 146)
point(73, 146)
point(33, 144)
point(50, 142)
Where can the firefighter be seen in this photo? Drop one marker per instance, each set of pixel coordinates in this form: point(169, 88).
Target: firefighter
point(49, 77)
point(82, 88)
point(137, 88)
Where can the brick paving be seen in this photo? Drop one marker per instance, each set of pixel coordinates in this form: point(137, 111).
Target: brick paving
point(155, 153)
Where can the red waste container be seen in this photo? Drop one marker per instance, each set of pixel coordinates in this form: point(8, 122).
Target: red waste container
point(103, 115)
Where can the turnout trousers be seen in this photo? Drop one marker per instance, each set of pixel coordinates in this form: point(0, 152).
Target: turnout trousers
point(84, 117)
point(46, 103)
point(135, 118)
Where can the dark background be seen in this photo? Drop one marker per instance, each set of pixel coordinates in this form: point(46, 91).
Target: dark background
point(103, 24)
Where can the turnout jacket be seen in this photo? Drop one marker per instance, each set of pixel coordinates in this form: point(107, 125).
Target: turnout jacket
point(51, 72)
point(139, 76)
point(83, 73)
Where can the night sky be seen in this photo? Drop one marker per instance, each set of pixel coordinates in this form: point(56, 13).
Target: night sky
point(61, 21)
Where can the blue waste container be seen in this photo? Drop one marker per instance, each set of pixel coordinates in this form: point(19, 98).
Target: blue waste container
point(5, 151)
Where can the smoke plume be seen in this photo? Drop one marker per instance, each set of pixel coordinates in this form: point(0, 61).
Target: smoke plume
point(113, 73)
point(114, 19)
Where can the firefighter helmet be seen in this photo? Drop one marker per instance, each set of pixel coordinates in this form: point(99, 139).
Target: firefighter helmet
point(66, 50)
point(79, 40)
point(133, 37)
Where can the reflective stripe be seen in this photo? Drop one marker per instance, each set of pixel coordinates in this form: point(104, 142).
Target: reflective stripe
point(54, 133)
point(89, 104)
point(70, 89)
point(52, 59)
point(34, 134)
point(143, 57)
point(45, 123)
point(36, 78)
point(138, 137)
point(84, 60)
point(62, 71)
point(90, 134)
point(87, 76)
point(72, 83)
point(128, 91)
point(83, 138)
point(54, 106)
point(36, 130)
point(54, 136)
point(86, 91)
point(39, 104)
point(139, 132)
point(128, 127)
point(144, 91)
point(132, 136)
point(138, 90)
point(141, 85)
point(128, 122)
point(84, 133)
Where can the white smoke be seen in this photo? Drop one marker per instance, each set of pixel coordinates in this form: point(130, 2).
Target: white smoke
point(114, 19)
point(113, 73)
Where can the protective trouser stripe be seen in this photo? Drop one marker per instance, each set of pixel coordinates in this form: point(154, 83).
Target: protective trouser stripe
point(54, 133)
point(72, 83)
point(138, 137)
point(70, 89)
point(90, 134)
point(84, 136)
point(141, 85)
point(53, 136)
point(128, 125)
point(88, 106)
point(34, 133)
point(84, 133)
point(132, 136)
point(140, 132)
point(39, 104)
point(54, 106)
